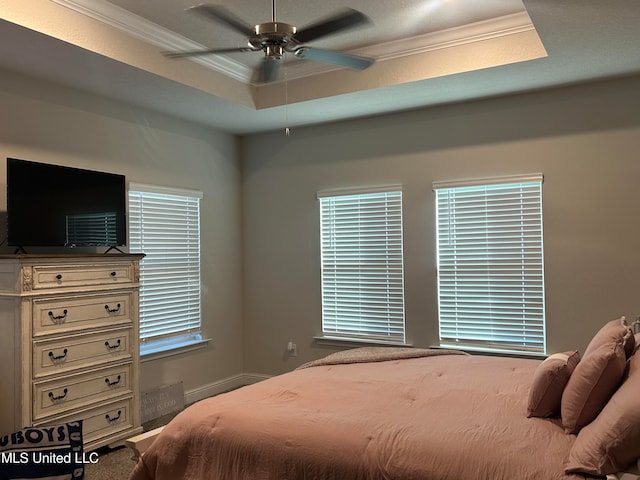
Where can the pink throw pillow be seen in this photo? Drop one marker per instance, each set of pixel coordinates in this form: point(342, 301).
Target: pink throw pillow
point(612, 441)
point(592, 383)
point(613, 331)
point(549, 380)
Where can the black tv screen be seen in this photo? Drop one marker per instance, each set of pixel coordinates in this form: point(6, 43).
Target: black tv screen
point(52, 205)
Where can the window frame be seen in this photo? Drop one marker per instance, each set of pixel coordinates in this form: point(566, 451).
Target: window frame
point(460, 275)
point(338, 323)
point(190, 334)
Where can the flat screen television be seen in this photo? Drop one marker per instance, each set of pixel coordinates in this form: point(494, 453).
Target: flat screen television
point(58, 206)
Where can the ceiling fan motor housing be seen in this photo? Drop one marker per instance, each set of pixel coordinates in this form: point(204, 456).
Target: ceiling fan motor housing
point(277, 38)
point(273, 38)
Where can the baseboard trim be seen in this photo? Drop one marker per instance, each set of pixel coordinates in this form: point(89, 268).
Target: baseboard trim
point(221, 386)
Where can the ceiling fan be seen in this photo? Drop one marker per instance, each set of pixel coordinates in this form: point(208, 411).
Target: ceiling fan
point(276, 38)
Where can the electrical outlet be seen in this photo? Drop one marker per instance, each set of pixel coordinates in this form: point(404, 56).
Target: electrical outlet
point(292, 348)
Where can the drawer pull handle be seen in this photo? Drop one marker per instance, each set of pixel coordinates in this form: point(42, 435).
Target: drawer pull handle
point(112, 310)
point(110, 383)
point(112, 347)
point(114, 419)
point(59, 276)
point(57, 358)
point(58, 318)
point(53, 398)
point(113, 274)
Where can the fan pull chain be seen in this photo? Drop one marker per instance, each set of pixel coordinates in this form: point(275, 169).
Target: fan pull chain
point(287, 130)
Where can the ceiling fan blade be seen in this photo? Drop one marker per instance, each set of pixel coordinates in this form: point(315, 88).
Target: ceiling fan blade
point(334, 58)
point(268, 70)
point(345, 19)
point(221, 14)
point(210, 51)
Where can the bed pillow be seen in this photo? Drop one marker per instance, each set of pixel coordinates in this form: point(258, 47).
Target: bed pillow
point(613, 331)
point(549, 380)
point(612, 441)
point(52, 452)
point(592, 383)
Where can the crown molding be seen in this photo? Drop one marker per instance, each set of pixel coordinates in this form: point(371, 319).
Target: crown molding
point(152, 33)
point(448, 38)
point(453, 37)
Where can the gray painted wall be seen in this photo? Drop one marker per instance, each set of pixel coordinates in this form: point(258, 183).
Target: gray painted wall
point(261, 271)
point(584, 139)
point(43, 122)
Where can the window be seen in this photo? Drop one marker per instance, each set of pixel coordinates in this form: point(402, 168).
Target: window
point(490, 264)
point(164, 224)
point(362, 265)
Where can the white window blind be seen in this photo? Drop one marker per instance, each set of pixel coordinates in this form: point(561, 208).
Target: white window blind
point(490, 265)
point(362, 265)
point(164, 224)
point(92, 228)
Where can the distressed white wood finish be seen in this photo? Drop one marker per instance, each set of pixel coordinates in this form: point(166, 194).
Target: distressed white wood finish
point(69, 345)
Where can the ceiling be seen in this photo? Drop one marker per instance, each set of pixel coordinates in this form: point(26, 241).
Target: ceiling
point(427, 52)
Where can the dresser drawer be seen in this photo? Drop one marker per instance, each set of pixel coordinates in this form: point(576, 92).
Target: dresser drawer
point(66, 314)
point(108, 420)
point(61, 355)
point(100, 422)
point(58, 276)
point(75, 391)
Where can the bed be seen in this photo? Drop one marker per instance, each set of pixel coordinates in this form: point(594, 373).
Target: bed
point(405, 414)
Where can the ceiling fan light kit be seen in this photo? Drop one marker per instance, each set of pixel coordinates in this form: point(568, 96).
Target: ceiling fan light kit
point(277, 38)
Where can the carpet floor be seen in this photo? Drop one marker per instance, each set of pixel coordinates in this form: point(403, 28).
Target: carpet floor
point(112, 464)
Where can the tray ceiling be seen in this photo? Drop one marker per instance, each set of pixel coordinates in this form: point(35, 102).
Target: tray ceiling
point(427, 52)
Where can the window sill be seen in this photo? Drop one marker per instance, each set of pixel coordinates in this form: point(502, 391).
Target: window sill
point(356, 342)
point(492, 353)
point(154, 352)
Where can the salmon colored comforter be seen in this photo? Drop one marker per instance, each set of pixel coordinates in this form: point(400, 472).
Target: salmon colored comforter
point(443, 417)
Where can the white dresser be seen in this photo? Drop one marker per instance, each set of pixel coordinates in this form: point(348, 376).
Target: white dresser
point(69, 345)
